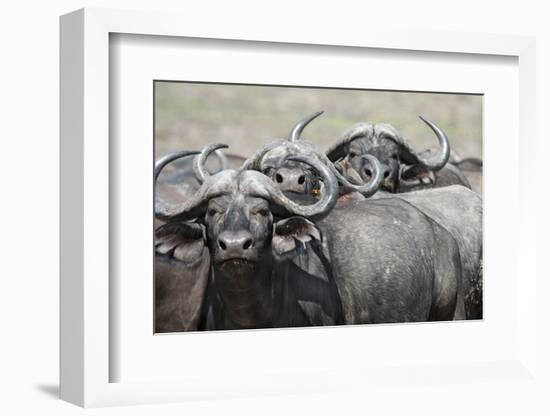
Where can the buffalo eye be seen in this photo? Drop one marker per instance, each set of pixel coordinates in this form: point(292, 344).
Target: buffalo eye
point(394, 156)
point(352, 155)
point(263, 212)
point(212, 212)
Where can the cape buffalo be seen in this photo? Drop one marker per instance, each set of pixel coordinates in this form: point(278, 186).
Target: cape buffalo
point(402, 265)
point(457, 209)
point(296, 178)
point(404, 170)
point(270, 292)
point(460, 211)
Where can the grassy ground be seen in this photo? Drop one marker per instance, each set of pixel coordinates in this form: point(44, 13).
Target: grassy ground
point(191, 115)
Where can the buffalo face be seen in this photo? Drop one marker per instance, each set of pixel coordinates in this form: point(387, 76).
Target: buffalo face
point(386, 153)
point(403, 169)
point(291, 177)
point(238, 230)
point(288, 163)
point(237, 207)
point(294, 178)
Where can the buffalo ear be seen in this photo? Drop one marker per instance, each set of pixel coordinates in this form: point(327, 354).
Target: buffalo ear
point(415, 177)
point(182, 270)
point(406, 154)
point(182, 241)
point(291, 235)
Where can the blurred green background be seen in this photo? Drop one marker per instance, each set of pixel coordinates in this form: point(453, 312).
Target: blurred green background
point(190, 115)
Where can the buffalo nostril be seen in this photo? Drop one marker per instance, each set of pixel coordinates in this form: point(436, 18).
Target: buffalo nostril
point(222, 245)
point(301, 179)
point(279, 178)
point(386, 174)
point(247, 244)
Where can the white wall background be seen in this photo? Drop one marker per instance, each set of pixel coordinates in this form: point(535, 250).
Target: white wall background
point(29, 100)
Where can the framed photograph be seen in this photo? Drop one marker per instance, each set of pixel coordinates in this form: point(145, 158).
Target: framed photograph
point(285, 256)
point(264, 212)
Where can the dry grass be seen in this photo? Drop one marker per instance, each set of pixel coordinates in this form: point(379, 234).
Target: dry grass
point(191, 115)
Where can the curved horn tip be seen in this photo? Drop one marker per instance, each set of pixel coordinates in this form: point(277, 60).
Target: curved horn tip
point(429, 122)
point(170, 157)
point(296, 131)
point(317, 114)
point(218, 146)
point(201, 174)
point(437, 162)
point(163, 210)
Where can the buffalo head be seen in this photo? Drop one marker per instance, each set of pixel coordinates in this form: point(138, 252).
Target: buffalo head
point(275, 160)
point(238, 208)
point(402, 168)
point(245, 227)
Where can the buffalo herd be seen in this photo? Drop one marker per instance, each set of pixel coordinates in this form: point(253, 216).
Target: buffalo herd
point(369, 231)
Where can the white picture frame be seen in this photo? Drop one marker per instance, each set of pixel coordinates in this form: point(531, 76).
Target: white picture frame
point(85, 211)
